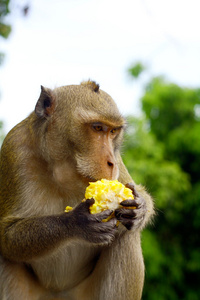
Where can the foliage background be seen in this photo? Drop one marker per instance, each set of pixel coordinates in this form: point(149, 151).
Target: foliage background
point(162, 151)
point(5, 30)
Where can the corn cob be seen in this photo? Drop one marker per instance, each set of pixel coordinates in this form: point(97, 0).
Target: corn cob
point(107, 195)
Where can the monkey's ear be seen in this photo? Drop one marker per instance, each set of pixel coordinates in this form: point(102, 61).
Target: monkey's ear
point(44, 105)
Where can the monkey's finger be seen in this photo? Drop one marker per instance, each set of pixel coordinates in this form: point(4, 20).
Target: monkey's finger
point(89, 202)
point(121, 214)
point(85, 204)
point(131, 186)
point(129, 202)
point(103, 215)
point(104, 232)
point(112, 221)
point(128, 224)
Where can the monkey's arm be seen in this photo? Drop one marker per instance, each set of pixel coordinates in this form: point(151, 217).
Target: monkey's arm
point(23, 239)
point(139, 217)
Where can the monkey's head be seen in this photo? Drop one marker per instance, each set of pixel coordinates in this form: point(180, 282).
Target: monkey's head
point(81, 128)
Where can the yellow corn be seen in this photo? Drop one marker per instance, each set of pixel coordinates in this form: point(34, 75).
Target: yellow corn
point(107, 195)
point(68, 208)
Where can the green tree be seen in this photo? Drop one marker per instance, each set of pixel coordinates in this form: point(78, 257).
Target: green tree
point(5, 28)
point(162, 151)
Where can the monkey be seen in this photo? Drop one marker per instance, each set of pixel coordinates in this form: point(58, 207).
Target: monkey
point(73, 137)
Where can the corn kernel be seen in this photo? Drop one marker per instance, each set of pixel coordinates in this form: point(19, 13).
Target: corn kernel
point(68, 208)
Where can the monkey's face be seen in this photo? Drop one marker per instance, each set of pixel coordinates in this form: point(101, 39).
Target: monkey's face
point(83, 131)
point(97, 158)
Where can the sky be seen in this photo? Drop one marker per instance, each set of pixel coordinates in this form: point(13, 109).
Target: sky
point(63, 42)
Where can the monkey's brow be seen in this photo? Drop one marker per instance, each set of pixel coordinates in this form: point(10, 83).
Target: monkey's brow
point(107, 124)
point(93, 117)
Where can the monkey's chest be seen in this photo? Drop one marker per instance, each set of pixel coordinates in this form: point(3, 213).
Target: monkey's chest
point(66, 267)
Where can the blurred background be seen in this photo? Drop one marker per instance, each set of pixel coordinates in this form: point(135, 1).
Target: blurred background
point(146, 55)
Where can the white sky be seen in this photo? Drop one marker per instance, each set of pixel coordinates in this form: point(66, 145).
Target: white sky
point(63, 42)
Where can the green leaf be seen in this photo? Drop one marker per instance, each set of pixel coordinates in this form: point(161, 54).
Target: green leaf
point(5, 30)
point(136, 69)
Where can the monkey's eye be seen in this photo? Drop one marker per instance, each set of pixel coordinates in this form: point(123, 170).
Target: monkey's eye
point(114, 130)
point(97, 127)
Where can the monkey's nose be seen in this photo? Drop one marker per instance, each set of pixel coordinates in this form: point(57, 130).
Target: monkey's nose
point(112, 169)
point(110, 164)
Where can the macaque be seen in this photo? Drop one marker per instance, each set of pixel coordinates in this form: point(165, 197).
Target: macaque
point(46, 162)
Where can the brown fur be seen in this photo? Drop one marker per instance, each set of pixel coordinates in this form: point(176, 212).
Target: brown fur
point(46, 162)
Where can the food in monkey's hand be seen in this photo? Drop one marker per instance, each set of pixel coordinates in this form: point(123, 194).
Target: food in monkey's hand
point(107, 194)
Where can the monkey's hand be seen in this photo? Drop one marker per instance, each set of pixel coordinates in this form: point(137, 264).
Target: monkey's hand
point(132, 218)
point(90, 226)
